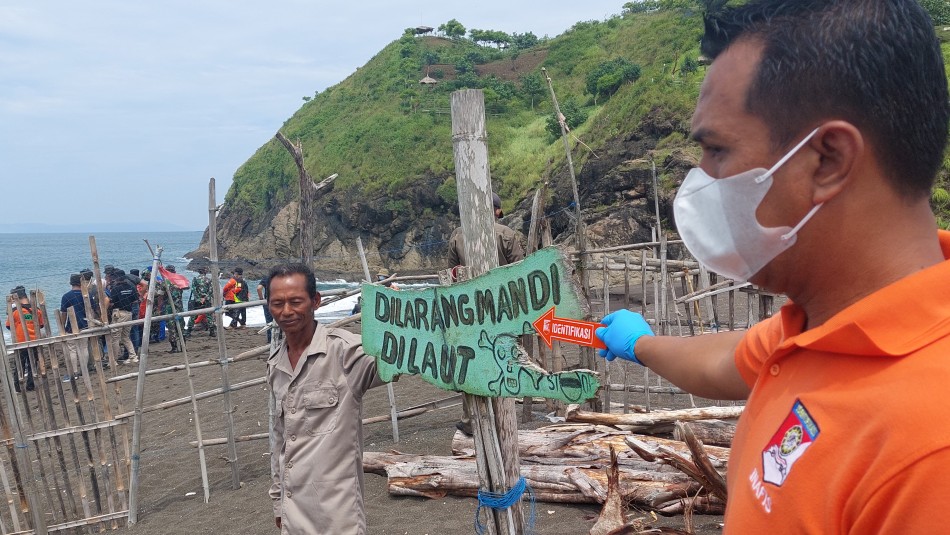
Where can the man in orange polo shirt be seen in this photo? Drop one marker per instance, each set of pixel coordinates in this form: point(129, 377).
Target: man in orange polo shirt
point(823, 124)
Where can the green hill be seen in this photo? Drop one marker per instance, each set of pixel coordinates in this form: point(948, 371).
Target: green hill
point(628, 83)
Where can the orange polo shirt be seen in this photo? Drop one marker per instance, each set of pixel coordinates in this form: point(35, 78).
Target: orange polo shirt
point(28, 320)
point(847, 429)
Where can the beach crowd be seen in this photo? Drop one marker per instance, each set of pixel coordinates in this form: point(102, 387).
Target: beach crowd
point(121, 301)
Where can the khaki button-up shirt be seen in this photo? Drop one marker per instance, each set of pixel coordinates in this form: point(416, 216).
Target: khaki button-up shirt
point(317, 455)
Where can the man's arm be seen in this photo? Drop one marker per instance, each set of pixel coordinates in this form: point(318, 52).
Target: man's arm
point(260, 291)
point(702, 365)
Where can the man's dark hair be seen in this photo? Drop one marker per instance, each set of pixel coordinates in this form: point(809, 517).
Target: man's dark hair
point(284, 270)
point(874, 63)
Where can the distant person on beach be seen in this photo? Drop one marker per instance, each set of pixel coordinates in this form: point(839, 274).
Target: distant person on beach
point(822, 124)
point(135, 334)
point(201, 297)
point(95, 317)
point(123, 298)
point(173, 304)
point(318, 377)
point(235, 291)
point(24, 329)
point(158, 303)
point(510, 250)
point(77, 351)
point(262, 293)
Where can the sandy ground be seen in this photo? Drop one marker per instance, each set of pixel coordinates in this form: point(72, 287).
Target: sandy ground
point(171, 488)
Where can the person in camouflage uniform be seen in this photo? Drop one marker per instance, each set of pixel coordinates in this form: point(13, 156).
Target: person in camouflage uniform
point(201, 297)
point(172, 327)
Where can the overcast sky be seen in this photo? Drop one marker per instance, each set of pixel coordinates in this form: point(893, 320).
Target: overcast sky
point(115, 112)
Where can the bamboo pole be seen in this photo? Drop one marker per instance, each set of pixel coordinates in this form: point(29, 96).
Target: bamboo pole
point(18, 452)
point(140, 391)
point(39, 383)
point(104, 463)
point(202, 464)
point(606, 364)
point(495, 424)
point(389, 385)
point(121, 476)
point(555, 353)
point(627, 247)
point(61, 397)
point(21, 491)
point(222, 349)
point(110, 349)
point(257, 351)
point(83, 493)
point(8, 492)
point(410, 412)
point(580, 229)
point(44, 405)
point(626, 305)
point(530, 342)
point(186, 400)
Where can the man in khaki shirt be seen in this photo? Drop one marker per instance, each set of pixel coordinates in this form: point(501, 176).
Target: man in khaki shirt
point(510, 250)
point(509, 241)
point(318, 377)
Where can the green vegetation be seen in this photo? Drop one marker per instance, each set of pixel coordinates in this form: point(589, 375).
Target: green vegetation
point(382, 130)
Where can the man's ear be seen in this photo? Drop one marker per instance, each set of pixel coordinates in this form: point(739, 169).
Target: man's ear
point(316, 301)
point(840, 146)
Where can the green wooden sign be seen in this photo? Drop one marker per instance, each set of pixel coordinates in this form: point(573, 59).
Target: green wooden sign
point(464, 337)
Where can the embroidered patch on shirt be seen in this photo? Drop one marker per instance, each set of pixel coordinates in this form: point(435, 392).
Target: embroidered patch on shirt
point(788, 444)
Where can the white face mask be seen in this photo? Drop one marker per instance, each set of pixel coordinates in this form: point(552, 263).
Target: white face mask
point(716, 219)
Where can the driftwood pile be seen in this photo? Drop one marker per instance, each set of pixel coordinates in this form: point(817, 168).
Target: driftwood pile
point(568, 463)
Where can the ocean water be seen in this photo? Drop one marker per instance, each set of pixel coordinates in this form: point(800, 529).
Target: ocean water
point(45, 261)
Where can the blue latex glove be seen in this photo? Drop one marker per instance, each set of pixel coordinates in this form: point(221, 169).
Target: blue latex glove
point(623, 329)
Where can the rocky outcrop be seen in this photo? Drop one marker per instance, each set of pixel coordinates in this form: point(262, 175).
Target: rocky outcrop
point(406, 230)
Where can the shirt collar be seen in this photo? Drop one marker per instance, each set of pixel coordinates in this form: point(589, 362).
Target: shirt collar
point(317, 347)
point(879, 325)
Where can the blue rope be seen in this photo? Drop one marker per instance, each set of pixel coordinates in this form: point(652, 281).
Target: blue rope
point(500, 502)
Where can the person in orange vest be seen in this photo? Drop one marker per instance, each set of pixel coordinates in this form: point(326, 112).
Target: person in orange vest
point(24, 328)
point(235, 291)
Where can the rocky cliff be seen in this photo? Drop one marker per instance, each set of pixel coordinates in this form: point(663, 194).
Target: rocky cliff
point(389, 139)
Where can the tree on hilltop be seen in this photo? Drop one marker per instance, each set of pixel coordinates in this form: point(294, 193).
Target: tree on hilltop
point(452, 29)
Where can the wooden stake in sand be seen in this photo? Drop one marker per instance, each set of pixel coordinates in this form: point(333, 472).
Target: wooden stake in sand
point(140, 392)
point(194, 402)
point(222, 349)
point(580, 231)
point(389, 386)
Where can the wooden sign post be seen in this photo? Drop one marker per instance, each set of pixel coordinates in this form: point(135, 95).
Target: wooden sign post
point(464, 337)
